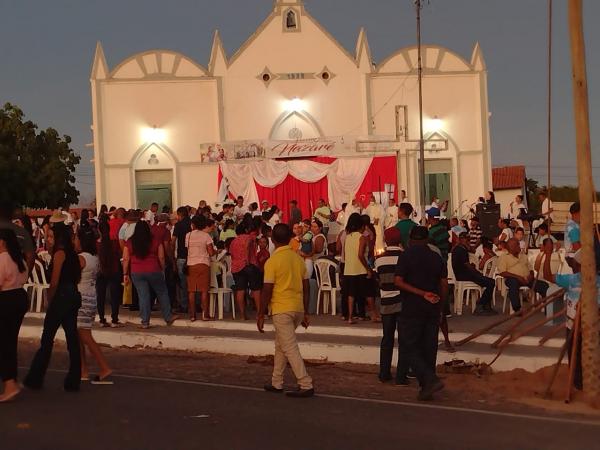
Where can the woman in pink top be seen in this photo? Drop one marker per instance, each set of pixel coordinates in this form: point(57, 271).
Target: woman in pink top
point(200, 249)
point(144, 262)
point(13, 306)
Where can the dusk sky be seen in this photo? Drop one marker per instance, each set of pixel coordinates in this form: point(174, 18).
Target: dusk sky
point(46, 51)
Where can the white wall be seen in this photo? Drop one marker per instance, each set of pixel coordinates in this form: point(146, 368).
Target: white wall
point(505, 197)
point(194, 106)
point(198, 182)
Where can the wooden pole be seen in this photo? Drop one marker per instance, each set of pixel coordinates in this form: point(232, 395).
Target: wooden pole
point(535, 325)
point(553, 332)
point(528, 313)
point(574, 348)
point(589, 306)
point(485, 330)
point(549, 125)
point(505, 319)
point(513, 337)
point(563, 351)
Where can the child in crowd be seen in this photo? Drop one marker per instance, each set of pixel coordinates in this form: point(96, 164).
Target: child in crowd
point(543, 234)
point(488, 252)
point(520, 236)
point(228, 230)
point(306, 238)
point(263, 252)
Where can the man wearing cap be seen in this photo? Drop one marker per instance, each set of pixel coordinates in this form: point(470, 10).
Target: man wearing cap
point(465, 271)
point(438, 233)
point(422, 277)
point(391, 306)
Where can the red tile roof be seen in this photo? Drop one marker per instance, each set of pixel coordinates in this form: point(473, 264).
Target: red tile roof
point(508, 177)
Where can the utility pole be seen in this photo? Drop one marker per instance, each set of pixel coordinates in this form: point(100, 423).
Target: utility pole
point(589, 307)
point(549, 184)
point(422, 198)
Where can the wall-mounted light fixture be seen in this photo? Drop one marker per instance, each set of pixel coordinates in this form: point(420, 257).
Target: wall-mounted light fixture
point(153, 135)
point(434, 124)
point(295, 105)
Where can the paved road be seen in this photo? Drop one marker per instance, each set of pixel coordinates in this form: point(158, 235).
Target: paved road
point(148, 414)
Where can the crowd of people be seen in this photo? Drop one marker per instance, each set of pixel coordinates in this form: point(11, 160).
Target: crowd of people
point(142, 258)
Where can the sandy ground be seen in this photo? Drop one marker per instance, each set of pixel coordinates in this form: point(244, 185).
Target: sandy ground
point(514, 391)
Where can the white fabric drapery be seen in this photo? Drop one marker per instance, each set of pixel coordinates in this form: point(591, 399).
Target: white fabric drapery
point(344, 176)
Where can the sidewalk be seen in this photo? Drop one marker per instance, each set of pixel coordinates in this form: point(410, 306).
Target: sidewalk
point(327, 339)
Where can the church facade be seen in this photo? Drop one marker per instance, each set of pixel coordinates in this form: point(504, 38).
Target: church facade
point(163, 123)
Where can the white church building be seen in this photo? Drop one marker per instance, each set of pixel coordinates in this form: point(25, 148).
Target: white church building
point(166, 127)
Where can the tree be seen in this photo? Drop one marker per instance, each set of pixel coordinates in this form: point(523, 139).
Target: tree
point(36, 168)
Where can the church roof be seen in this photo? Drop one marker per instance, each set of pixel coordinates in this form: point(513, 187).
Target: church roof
point(508, 177)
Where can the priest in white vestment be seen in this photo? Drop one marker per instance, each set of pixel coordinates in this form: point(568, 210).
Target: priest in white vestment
point(391, 214)
point(377, 215)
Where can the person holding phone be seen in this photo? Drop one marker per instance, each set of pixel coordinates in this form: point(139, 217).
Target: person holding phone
point(286, 291)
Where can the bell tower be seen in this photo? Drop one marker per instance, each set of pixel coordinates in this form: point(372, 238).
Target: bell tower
point(290, 12)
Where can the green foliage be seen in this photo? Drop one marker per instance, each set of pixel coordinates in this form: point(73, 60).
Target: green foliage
point(36, 168)
point(557, 194)
point(532, 188)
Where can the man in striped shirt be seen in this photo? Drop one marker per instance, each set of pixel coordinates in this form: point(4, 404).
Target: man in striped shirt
point(385, 266)
point(475, 234)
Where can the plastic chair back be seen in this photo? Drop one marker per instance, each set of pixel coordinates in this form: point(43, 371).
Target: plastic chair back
point(323, 267)
point(42, 271)
point(489, 268)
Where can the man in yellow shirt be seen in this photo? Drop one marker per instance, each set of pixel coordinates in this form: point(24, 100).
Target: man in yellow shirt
point(286, 290)
point(516, 270)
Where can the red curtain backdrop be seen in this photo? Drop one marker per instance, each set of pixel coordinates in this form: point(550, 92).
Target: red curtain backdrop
point(382, 171)
point(294, 189)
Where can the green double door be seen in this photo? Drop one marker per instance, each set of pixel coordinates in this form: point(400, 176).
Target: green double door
point(159, 193)
point(438, 182)
point(154, 186)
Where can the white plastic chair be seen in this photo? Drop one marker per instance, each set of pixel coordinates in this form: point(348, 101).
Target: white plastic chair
point(469, 288)
point(39, 286)
point(451, 277)
point(504, 292)
point(218, 288)
point(473, 290)
point(327, 286)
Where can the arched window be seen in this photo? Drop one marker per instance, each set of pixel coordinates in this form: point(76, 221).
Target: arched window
point(290, 20)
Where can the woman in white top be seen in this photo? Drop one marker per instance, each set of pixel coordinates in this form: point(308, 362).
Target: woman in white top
point(506, 232)
point(275, 217)
point(85, 246)
point(200, 249)
point(319, 241)
point(13, 306)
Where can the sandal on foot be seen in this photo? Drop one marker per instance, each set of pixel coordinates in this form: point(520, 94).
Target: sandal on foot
point(106, 381)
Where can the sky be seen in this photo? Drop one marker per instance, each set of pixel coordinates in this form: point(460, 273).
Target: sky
point(47, 47)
